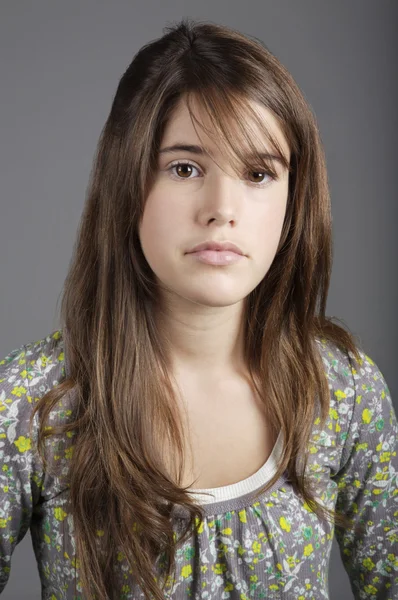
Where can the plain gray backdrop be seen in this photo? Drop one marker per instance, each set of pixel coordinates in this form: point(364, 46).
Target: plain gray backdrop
point(60, 65)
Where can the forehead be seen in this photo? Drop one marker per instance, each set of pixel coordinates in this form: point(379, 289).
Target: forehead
point(180, 125)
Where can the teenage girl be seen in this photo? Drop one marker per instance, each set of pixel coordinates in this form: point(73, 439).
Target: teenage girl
point(197, 427)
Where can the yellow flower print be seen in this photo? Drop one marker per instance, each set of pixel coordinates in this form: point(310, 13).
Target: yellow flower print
point(333, 413)
point(256, 546)
point(60, 514)
point(201, 526)
point(284, 523)
point(385, 456)
point(219, 568)
point(186, 571)
point(363, 446)
point(307, 507)
point(368, 563)
point(69, 452)
point(23, 443)
point(291, 561)
point(370, 589)
point(241, 550)
point(19, 390)
point(242, 516)
point(366, 415)
point(393, 560)
point(308, 550)
point(44, 360)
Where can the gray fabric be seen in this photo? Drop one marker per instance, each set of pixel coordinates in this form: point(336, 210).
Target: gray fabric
point(271, 546)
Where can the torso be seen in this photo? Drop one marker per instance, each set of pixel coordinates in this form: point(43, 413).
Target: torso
point(229, 435)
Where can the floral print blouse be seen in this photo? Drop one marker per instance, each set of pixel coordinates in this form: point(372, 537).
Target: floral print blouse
point(248, 546)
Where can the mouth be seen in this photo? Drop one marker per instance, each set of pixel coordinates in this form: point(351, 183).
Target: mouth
point(217, 247)
point(216, 257)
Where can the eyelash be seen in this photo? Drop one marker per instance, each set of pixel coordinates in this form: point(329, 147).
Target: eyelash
point(187, 162)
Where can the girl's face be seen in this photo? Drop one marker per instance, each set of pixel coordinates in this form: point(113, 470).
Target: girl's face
point(199, 202)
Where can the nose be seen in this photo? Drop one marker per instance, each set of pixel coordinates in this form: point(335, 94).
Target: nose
point(221, 199)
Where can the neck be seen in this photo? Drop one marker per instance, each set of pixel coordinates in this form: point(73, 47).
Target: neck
point(202, 340)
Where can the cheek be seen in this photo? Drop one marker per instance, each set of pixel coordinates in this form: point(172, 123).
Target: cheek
point(156, 231)
point(267, 231)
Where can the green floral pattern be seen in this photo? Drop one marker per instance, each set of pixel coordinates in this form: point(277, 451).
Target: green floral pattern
point(256, 546)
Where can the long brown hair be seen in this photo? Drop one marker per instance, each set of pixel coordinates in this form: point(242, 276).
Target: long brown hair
point(125, 405)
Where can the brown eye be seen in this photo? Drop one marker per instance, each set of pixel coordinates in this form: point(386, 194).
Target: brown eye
point(183, 169)
point(264, 176)
point(258, 174)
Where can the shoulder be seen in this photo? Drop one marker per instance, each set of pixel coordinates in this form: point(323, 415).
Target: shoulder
point(45, 360)
point(338, 369)
point(35, 364)
point(26, 374)
point(360, 400)
point(351, 378)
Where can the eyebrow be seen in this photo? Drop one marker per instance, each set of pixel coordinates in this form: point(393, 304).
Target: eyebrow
point(195, 149)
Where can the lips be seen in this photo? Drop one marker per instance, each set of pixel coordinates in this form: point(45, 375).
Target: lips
point(220, 246)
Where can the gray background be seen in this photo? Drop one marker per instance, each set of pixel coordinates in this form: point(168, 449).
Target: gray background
point(60, 64)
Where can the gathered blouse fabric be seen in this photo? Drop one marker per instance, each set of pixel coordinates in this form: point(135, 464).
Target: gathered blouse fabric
point(248, 546)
